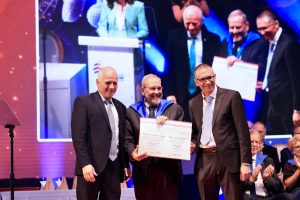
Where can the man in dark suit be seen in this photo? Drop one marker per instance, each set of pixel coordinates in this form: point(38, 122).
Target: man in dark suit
point(268, 150)
point(220, 137)
point(179, 77)
point(98, 125)
point(281, 81)
point(247, 46)
point(153, 178)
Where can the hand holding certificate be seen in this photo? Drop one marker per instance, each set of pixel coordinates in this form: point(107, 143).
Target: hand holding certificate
point(241, 76)
point(169, 140)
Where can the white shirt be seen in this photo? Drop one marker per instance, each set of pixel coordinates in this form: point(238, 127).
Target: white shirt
point(115, 114)
point(270, 57)
point(120, 16)
point(211, 142)
point(259, 184)
point(198, 48)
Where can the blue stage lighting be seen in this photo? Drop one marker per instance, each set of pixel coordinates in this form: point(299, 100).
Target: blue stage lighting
point(154, 56)
point(215, 25)
point(288, 11)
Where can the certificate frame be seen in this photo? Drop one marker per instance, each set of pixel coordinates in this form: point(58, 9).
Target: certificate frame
point(169, 140)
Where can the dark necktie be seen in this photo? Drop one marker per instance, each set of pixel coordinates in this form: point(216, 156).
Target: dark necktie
point(152, 111)
point(235, 48)
point(113, 153)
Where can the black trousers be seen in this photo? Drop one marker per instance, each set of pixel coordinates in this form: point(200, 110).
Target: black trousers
point(107, 183)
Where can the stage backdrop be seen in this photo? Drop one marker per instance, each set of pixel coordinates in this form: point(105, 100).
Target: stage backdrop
point(18, 88)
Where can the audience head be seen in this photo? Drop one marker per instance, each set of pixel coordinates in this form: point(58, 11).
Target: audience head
point(107, 82)
point(172, 98)
point(192, 19)
point(152, 89)
point(294, 145)
point(261, 129)
point(255, 142)
point(297, 130)
point(205, 78)
point(238, 25)
point(267, 24)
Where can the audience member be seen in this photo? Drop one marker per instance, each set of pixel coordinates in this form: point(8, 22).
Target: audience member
point(98, 126)
point(281, 81)
point(263, 182)
point(268, 150)
point(177, 7)
point(285, 153)
point(123, 18)
point(291, 170)
point(246, 46)
point(220, 136)
point(153, 178)
point(187, 47)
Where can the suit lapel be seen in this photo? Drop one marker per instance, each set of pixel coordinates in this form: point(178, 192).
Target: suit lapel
point(120, 113)
point(218, 102)
point(99, 101)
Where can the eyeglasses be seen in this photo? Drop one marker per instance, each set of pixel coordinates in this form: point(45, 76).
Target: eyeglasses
point(207, 78)
point(263, 28)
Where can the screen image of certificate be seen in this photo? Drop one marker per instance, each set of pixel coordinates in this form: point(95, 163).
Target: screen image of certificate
point(241, 76)
point(170, 140)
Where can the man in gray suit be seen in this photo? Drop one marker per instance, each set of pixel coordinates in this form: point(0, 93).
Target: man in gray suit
point(98, 125)
point(220, 137)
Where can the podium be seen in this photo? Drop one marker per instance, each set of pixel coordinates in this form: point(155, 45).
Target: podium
point(123, 54)
point(65, 82)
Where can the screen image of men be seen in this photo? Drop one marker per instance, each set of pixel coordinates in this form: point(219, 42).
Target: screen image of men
point(281, 80)
point(153, 178)
point(246, 46)
point(98, 125)
point(220, 137)
point(188, 47)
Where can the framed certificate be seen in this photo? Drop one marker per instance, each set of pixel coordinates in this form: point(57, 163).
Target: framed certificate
point(169, 140)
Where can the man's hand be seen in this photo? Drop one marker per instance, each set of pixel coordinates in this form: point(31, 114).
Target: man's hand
point(296, 118)
point(161, 119)
point(231, 60)
point(259, 85)
point(192, 148)
point(89, 173)
point(268, 172)
point(127, 173)
point(138, 157)
point(245, 172)
point(255, 173)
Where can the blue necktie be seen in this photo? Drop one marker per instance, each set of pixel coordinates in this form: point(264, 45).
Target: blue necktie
point(113, 153)
point(207, 121)
point(192, 59)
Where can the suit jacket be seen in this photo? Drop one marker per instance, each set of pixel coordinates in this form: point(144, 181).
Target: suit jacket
point(271, 152)
point(178, 73)
point(229, 127)
point(140, 168)
point(285, 155)
point(91, 133)
point(283, 78)
point(273, 185)
point(255, 51)
point(135, 21)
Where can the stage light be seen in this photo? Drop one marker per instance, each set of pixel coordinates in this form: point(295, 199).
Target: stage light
point(154, 56)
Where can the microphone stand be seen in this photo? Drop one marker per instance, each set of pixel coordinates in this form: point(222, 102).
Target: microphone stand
point(12, 175)
point(45, 81)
